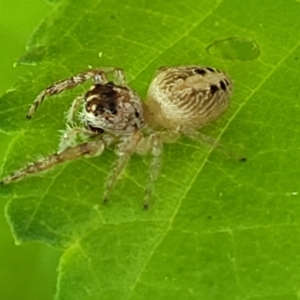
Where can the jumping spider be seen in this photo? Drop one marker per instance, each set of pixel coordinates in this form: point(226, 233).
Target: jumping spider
point(180, 100)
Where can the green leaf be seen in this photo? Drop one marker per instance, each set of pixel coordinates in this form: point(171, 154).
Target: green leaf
point(218, 229)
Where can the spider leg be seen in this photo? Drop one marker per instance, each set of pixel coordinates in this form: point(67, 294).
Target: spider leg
point(69, 136)
point(154, 169)
point(201, 138)
point(72, 110)
point(90, 149)
point(125, 150)
point(119, 77)
point(205, 140)
point(97, 74)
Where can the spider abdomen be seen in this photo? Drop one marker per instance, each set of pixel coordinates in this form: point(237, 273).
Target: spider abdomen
point(187, 96)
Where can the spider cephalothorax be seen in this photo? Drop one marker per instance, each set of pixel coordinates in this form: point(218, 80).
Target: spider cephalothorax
point(180, 100)
point(115, 109)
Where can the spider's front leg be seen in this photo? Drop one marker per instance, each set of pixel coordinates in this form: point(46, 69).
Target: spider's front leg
point(126, 148)
point(71, 135)
point(70, 114)
point(154, 170)
point(98, 75)
point(151, 144)
point(90, 149)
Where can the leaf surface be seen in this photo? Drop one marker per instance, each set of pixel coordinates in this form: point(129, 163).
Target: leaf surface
point(218, 228)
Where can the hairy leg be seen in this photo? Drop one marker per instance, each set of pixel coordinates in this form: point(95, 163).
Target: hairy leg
point(70, 135)
point(70, 115)
point(90, 149)
point(154, 169)
point(124, 151)
point(119, 77)
point(211, 142)
point(58, 87)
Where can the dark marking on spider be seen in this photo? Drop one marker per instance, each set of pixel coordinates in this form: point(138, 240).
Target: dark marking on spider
point(223, 85)
point(213, 89)
point(102, 98)
point(200, 71)
point(210, 69)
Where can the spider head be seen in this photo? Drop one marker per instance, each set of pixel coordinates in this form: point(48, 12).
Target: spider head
point(112, 108)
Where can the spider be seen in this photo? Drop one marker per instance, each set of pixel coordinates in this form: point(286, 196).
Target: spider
point(180, 101)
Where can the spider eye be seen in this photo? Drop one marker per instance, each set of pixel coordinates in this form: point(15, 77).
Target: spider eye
point(95, 129)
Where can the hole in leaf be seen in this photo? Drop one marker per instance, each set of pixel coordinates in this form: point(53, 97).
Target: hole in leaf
point(234, 49)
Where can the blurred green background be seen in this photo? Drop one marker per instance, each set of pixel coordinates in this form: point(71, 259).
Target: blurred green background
point(28, 271)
